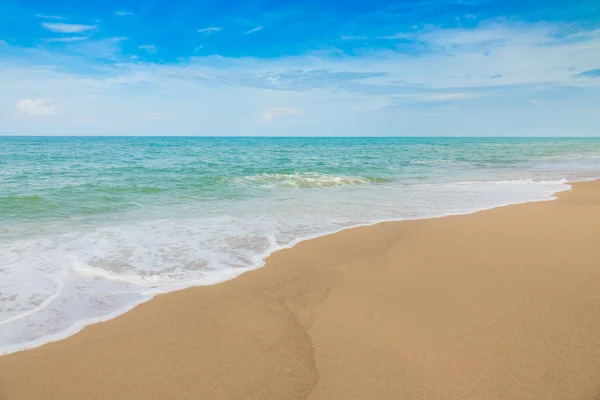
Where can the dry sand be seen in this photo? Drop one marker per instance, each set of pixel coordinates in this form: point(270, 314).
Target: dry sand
point(501, 304)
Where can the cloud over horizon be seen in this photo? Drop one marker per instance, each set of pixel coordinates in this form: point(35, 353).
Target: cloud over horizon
point(35, 107)
point(273, 113)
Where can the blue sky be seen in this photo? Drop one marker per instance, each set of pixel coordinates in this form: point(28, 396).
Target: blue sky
point(403, 68)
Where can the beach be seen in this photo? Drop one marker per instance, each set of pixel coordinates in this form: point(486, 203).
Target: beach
point(91, 227)
point(499, 304)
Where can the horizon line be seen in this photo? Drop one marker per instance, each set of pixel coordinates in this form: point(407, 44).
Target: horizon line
point(299, 137)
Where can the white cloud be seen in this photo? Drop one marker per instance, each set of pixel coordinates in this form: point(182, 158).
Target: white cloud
point(67, 28)
point(435, 97)
point(44, 16)
point(122, 13)
point(379, 92)
point(150, 48)
point(210, 30)
point(273, 113)
point(487, 34)
point(258, 28)
point(35, 107)
point(490, 33)
point(67, 39)
point(398, 36)
point(3, 42)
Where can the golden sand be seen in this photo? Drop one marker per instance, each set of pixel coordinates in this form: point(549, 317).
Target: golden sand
point(501, 304)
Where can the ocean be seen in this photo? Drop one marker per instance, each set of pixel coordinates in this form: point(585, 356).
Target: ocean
point(93, 226)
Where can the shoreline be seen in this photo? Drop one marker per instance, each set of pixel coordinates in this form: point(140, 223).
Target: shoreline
point(500, 303)
point(75, 329)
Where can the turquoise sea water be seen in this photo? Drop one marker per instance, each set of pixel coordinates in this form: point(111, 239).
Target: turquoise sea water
point(90, 227)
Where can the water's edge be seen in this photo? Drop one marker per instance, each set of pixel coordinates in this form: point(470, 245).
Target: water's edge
point(78, 327)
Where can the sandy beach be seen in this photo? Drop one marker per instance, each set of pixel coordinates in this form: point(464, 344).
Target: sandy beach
point(500, 304)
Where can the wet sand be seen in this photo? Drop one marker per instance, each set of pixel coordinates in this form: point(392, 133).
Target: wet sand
point(500, 304)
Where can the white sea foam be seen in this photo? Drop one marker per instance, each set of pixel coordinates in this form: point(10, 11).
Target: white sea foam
point(303, 180)
point(91, 273)
point(516, 182)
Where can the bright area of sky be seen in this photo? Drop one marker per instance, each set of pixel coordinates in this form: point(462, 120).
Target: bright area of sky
point(302, 67)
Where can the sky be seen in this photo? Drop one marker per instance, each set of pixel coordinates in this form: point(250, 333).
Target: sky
point(296, 68)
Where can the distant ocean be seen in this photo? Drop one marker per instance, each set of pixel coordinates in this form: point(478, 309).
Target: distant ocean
point(91, 227)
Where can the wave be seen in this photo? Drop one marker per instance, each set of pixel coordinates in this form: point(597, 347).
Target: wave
point(305, 180)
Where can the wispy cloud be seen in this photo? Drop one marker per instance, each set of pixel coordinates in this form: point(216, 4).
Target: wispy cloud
point(149, 48)
point(35, 107)
point(399, 36)
point(440, 97)
point(209, 30)
point(122, 13)
point(67, 39)
point(490, 34)
point(44, 16)
point(273, 113)
point(258, 28)
point(67, 28)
